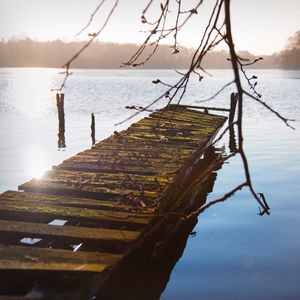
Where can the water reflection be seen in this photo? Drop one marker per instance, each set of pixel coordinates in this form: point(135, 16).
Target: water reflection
point(35, 162)
point(29, 92)
point(145, 272)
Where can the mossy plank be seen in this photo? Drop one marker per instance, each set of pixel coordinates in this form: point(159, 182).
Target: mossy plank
point(110, 180)
point(183, 119)
point(85, 190)
point(139, 156)
point(126, 164)
point(82, 233)
point(188, 114)
point(99, 167)
point(184, 110)
point(160, 144)
point(34, 258)
point(192, 140)
point(114, 203)
point(172, 132)
point(125, 142)
point(69, 212)
point(166, 123)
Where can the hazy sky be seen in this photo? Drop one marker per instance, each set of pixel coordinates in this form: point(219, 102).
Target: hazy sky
point(260, 26)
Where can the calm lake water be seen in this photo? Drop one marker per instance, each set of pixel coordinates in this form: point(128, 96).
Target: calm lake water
point(236, 254)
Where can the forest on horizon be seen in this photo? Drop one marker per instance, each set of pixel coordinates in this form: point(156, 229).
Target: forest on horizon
point(54, 54)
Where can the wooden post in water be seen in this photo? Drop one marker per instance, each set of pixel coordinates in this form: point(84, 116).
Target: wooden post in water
point(61, 120)
point(93, 129)
point(233, 101)
point(232, 141)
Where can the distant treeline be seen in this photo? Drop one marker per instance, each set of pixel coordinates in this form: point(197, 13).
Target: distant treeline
point(54, 54)
point(289, 58)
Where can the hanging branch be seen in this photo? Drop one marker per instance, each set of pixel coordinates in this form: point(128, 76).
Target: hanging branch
point(91, 18)
point(159, 28)
point(67, 65)
point(217, 93)
point(240, 92)
point(217, 30)
point(267, 106)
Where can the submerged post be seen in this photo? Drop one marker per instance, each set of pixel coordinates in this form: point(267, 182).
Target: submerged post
point(61, 120)
point(93, 129)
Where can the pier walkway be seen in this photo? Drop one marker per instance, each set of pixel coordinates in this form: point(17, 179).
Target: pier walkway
point(84, 215)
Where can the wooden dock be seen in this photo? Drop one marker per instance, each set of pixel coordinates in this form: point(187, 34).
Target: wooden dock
point(82, 218)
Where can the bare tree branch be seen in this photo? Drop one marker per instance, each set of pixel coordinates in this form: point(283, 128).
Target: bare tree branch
point(285, 120)
point(222, 199)
point(217, 30)
point(91, 18)
point(67, 65)
point(217, 93)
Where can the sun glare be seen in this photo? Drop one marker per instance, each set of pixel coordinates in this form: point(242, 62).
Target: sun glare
point(36, 162)
point(31, 92)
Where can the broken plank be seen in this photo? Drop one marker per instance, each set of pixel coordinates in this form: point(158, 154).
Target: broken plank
point(127, 169)
point(69, 212)
point(67, 231)
point(114, 203)
point(86, 190)
point(47, 259)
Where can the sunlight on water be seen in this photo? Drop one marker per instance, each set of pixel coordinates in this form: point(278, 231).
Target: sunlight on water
point(35, 162)
point(235, 254)
point(30, 91)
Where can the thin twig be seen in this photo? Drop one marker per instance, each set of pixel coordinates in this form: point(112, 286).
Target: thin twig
point(91, 18)
point(67, 65)
point(285, 120)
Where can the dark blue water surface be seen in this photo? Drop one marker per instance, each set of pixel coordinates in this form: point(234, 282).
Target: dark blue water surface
point(236, 254)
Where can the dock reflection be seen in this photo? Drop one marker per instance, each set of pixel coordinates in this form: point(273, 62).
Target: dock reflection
point(145, 272)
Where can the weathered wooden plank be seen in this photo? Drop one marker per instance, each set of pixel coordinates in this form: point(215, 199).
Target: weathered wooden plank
point(178, 118)
point(110, 177)
point(114, 203)
point(67, 231)
point(168, 124)
point(91, 179)
point(188, 115)
point(194, 110)
point(143, 151)
point(141, 146)
point(191, 140)
point(87, 190)
point(178, 131)
point(210, 108)
point(33, 258)
point(69, 212)
point(126, 164)
point(99, 167)
point(160, 145)
point(113, 156)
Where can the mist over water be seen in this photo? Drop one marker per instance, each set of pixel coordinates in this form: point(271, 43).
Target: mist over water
point(236, 254)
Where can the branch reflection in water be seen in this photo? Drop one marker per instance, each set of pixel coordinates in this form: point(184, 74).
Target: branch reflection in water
point(145, 272)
